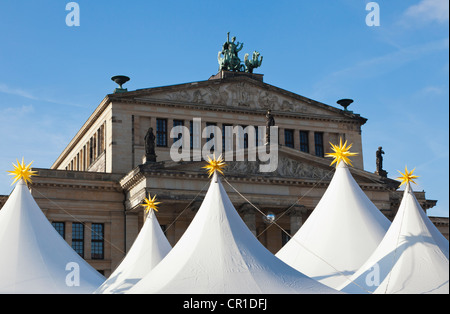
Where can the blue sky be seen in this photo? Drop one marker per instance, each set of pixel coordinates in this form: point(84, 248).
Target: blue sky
point(53, 76)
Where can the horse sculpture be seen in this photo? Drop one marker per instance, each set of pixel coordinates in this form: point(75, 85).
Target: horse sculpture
point(254, 63)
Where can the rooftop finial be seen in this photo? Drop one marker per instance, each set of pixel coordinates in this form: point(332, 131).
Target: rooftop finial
point(345, 103)
point(120, 80)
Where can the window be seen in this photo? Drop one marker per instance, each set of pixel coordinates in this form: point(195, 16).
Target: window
point(318, 141)
point(78, 238)
point(191, 133)
point(211, 135)
point(178, 123)
point(97, 242)
point(289, 138)
point(60, 228)
point(161, 132)
point(99, 142)
point(304, 141)
point(245, 137)
point(224, 137)
point(91, 151)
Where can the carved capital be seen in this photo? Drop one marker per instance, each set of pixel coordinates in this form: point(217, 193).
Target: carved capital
point(195, 206)
point(246, 209)
point(297, 211)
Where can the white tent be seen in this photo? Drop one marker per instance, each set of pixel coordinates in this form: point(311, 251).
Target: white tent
point(34, 258)
point(339, 236)
point(219, 254)
point(412, 258)
point(149, 248)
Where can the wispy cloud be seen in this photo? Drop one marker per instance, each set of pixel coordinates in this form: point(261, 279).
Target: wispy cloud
point(379, 65)
point(16, 91)
point(11, 90)
point(427, 11)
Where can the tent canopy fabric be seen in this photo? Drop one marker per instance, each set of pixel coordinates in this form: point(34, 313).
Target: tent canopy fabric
point(411, 259)
point(340, 234)
point(35, 258)
point(219, 254)
point(149, 248)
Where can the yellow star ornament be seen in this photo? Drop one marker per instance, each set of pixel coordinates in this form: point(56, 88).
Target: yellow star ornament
point(341, 153)
point(215, 164)
point(407, 176)
point(22, 171)
point(150, 204)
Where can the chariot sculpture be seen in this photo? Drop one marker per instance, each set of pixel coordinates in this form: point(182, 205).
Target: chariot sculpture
point(229, 60)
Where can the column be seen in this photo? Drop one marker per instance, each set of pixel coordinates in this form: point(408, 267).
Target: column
point(326, 143)
point(296, 217)
point(87, 240)
point(248, 216)
point(312, 142)
point(68, 233)
point(281, 138)
point(169, 128)
point(297, 139)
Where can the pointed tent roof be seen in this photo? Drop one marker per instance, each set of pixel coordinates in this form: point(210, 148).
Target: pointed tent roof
point(149, 248)
point(219, 254)
point(411, 258)
point(339, 235)
point(35, 258)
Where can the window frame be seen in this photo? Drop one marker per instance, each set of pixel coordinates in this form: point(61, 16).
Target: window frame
point(161, 132)
point(78, 242)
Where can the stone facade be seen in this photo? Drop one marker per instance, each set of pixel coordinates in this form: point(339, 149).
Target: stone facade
point(100, 177)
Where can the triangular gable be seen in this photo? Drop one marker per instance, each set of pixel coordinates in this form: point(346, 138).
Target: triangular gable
point(292, 164)
point(237, 92)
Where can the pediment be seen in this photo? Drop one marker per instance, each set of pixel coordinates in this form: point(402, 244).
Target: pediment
point(292, 165)
point(236, 93)
point(288, 167)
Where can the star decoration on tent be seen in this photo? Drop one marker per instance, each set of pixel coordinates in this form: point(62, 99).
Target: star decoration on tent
point(407, 176)
point(150, 204)
point(341, 153)
point(22, 171)
point(215, 164)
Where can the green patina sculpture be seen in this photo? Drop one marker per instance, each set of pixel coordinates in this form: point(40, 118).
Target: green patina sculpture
point(229, 60)
point(255, 62)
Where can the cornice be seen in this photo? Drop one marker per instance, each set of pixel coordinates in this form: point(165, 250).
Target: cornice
point(82, 131)
point(237, 110)
point(134, 97)
point(52, 178)
point(138, 174)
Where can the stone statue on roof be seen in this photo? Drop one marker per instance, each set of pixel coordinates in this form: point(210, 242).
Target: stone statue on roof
point(379, 160)
point(270, 121)
point(230, 60)
point(149, 144)
point(252, 63)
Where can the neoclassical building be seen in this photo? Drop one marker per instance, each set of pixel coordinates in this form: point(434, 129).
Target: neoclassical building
point(93, 191)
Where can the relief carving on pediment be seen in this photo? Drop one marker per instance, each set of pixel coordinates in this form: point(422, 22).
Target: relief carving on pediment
point(287, 168)
point(241, 94)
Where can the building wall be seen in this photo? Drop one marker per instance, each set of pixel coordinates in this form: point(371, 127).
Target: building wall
point(98, 178)
point(90, 144)
point(131, 122)
point(70, 197)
